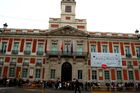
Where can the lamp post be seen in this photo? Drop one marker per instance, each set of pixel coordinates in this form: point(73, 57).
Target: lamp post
point(4, 27)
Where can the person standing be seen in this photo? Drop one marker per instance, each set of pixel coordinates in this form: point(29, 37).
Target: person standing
point(77, 86)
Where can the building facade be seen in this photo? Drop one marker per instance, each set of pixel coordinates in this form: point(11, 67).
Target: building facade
point(64, 51)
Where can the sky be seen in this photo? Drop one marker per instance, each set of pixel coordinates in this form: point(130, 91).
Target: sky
point(119, 16)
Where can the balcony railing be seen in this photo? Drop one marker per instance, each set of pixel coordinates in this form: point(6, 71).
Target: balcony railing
point(129, 66)
point(40, 52)
point(14, 51)
point(12, 63)
point(38, 64)
point(27, 52)
point(66, 54)
point(25, 63)
point(128, 55)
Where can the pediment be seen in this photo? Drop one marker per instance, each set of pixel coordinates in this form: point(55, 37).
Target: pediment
point(67, 31)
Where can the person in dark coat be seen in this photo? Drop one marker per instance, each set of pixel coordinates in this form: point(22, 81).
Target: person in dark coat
point(77, 86)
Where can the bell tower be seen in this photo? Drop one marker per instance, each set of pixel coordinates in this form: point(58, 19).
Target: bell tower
point(68, 10)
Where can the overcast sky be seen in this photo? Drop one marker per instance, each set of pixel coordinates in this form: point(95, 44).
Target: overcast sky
point(122, 16)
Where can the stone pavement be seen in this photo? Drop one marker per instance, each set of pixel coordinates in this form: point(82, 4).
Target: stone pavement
point(22, 90)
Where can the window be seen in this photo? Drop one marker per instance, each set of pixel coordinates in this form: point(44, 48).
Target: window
point(52, 73)
point(28, 46)
point(138, 51)
point(12, 72)
point(67, 47)
point(38, 73)
point(39, 62)
point(107, 76)
point(116, 49)
point(130, 73)
point(40, 47)
point(24, 72)
point(0, 71)
point(127, 50)
point(16, 45)
point(94, 75)
point(13, 61)
point(129, 63)
point(104, 49)
point(54, 47)
point(68, 9)
point(26, 62)
point(79, 48)
point(79, 74)
point(119, 75)
point(93, 48)
point(4, 46)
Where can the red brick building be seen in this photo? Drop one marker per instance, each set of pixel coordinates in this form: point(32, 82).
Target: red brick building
point(65, 50)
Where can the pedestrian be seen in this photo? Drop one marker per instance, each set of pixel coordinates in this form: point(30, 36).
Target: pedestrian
point(77, 86)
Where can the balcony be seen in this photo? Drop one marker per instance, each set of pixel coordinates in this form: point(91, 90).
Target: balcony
point(130, 66)
point(14, 51)
point(27, 52)
point(25, 63)
point(40, 52)
point(128, 56)
point(12, 63)
point(1, 63)
point(67, 54)
point(38, 64)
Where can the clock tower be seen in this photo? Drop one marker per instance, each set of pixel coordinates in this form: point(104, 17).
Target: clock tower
point(68, 10)
point(67, 18)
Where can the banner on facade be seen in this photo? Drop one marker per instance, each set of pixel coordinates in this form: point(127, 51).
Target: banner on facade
point(110, 59)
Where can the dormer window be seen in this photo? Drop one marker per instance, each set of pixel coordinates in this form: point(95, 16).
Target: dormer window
point(68, 9)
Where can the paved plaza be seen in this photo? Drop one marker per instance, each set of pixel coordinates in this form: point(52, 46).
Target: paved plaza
point(22, 90)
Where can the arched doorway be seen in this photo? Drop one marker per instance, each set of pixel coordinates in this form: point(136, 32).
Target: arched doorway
point(66, 72)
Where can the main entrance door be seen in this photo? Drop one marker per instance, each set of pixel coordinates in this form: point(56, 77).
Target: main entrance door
point(66, 72)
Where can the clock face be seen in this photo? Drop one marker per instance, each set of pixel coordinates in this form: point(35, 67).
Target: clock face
point(68, 9)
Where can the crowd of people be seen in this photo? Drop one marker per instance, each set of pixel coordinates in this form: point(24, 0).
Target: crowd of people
point(69, 85)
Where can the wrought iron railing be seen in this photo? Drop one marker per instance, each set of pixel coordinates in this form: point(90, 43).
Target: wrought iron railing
point(14, 51)
point(27, 52)
point(66, 53)
point(40, 52)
